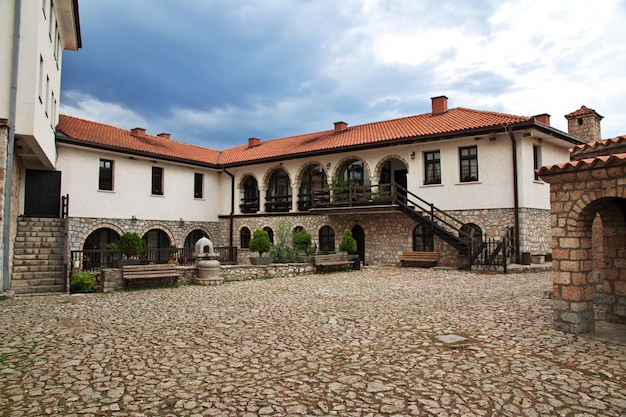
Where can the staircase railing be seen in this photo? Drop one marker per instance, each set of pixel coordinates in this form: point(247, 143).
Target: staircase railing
point(65, 213)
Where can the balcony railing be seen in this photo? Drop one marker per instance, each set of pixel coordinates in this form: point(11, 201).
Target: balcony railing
point(278, 203)
point(353, 196)
point(92, 260)
point(249, 205)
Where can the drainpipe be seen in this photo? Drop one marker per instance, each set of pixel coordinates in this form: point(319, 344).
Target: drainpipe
point(509, 130)
point(232, 204)
point(6, 224)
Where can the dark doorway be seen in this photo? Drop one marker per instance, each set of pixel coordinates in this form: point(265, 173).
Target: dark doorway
point(399, 177)
point(359, 235)
point(42, 195)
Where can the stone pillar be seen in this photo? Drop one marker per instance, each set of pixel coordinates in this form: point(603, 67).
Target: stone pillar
point(262, 194)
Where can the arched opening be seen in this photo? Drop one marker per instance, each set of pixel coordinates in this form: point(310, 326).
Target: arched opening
point(359, 235)
point(326, 240)
point(472, 233)
point(95, 254)
point(423, 238)
point(190, 243)
point(353, 172)
point(313, 187)
point(270, 233)
point(249, 195)
point(278, 197)
point(244, 237)
point(393, 171)
point(157, 246)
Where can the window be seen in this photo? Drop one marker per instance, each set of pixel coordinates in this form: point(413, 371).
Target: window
point(40, 79)
point(432, 168)
point(270, 233)
point(105, 181)
point(250, 200)
point(53, 111)
point(244, 237)
point(157, 181)
point(197, 185)
point(43, 8)
point(278, 197)
point(57, 46)
point(469, 163)
point(47, 94)
point(536, 160)
point(327, 239)
point(52, 19)
point(423, 239)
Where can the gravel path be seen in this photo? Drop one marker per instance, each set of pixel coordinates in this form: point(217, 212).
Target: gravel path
point(363, 343)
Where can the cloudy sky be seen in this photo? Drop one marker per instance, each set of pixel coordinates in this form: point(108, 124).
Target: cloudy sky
point(216, 72)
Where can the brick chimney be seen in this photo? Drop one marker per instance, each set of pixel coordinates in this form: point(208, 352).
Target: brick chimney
point(252, 142)
point(440, 104)
point(164, 135)
point(543, 118)
point(339, 126)
point(584, 124)
point(138, 131)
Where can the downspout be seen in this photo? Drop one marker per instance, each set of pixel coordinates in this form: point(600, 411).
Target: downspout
point(509, 129)
point(8, 190)
point(232, 204)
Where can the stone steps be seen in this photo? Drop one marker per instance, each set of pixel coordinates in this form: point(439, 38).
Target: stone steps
point(38, 260)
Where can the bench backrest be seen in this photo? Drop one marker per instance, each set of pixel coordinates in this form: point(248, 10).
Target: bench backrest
point(147, 268)
point(331, 258)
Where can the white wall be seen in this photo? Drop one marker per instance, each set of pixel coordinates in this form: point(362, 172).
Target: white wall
point(131, 195)
point(6, 54)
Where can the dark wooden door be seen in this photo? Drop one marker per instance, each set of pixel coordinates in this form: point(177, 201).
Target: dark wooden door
point(42, 197)
point(359, 235)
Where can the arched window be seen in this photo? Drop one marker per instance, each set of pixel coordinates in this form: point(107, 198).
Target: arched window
point(354, 172)
point(297, 229)
point(313, 186)
point(327, 239)
point(270, 233)
point(190, 243)
point(94, 249)
point(423, 239)
point(244, 237)
point(278, 197)
point(157, 245)
point(250, 198)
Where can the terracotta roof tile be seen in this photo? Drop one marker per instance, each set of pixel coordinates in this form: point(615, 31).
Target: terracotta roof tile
point(584, 110)
point(605, 143)
point(594, 162)
point(103, 135)
point(424, 125)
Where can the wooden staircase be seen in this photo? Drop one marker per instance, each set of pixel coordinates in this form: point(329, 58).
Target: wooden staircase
point(38, 260)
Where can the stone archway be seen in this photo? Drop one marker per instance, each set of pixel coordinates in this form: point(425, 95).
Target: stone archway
point(589, 261)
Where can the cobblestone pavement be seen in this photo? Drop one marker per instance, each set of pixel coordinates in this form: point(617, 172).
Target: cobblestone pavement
point(361, 343)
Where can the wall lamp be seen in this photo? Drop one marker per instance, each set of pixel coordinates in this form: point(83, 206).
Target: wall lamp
point(327, 165)
point(413, 155)
point(133, 218)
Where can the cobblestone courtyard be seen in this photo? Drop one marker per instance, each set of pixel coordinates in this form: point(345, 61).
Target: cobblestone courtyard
point(361, 343)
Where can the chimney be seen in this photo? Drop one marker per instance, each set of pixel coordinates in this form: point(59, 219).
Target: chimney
point(252, 142)
point(138, 131)
point(543, 118)
point(440, 104)
point(339, 126)
point(584, 124)
point(164, 136)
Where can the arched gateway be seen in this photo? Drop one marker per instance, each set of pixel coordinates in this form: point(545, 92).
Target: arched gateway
point(588, 202)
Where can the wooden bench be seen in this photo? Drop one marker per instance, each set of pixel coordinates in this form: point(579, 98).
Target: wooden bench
point(137, 272)
point(334, 261)
point(421, 259)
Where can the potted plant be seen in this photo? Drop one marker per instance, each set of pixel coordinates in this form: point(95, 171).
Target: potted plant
point(131, 247)
point(348, 244)
point(260, 243)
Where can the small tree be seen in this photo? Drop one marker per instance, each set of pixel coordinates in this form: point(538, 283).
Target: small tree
point(283, 252)
point(302, 242)
point(131, 245)
point(83, 282)
point(348, 243)
point(260, 242)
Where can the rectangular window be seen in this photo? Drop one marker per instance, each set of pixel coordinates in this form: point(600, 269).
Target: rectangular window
point(43, 8)
point(468, 158)
point(157, 181)
point(536, 160)
point(57, 46)
point(197, 185)
point(53, 111)
point(52, 19)
point(40, 79)
point(432, 167)
point(47, 94)
point(105, 181)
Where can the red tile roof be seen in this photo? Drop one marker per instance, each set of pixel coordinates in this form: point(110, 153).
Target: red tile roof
point(601, 144)
point(584, 110)
point(427, 126)
point(110, 137)
point(371, 134)
point(595, 162)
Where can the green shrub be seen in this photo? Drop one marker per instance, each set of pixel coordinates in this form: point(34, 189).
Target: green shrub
point(302, 242)
point(83, 282)
point(348, 243)
point(283, 252)
point(260, 242)
point(131, 245)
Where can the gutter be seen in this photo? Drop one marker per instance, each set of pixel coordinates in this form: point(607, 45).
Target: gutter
point(8, 190)
point(232, 204)
point(509, 130)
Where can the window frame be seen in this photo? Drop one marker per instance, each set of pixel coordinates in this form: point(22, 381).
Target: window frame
point(244, 237)
point(468, 164)
point(102, 178)
point(536, 161)
point(157, 181)
point(433, 165)
point(198, 185)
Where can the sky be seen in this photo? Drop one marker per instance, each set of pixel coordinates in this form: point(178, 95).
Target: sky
point(217, 72)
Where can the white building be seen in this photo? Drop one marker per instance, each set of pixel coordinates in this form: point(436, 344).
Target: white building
point(33, 35)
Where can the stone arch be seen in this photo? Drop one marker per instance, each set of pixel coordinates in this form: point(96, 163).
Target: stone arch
point(381, 163)
point(298, 177)
point(103, 225)
point(345, 159)
point(242, 180)
point(161, 227)
point(270, 172)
